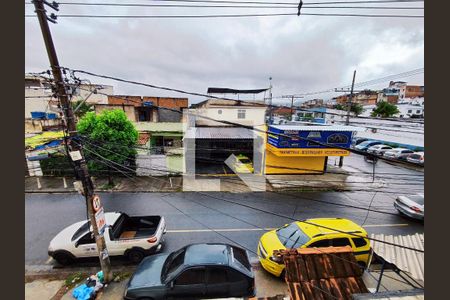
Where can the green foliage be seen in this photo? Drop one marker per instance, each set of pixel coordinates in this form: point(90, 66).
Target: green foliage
point(84, 108)
point(339, 107)
point(115, 134)
point(385, 110)
point(357, 109)
point(57, 165)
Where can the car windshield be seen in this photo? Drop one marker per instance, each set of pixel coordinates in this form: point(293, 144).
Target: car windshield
point(291, 236)
point(173, 261)
point(366, 143)
point(418, 199)
point(83, 229)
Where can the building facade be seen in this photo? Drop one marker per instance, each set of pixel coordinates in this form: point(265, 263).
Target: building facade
point(287, 151)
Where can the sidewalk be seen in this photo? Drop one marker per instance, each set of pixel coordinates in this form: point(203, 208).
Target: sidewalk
point(266, 286)
point(220, 183)
point(48, 184)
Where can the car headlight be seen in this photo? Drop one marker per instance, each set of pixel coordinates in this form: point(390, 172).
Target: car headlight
point(276, 260)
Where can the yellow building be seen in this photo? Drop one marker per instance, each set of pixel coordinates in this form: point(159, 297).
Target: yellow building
point(290, 149)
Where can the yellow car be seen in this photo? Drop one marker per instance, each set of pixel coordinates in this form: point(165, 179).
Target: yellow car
point(303, 235)
point(245, 166)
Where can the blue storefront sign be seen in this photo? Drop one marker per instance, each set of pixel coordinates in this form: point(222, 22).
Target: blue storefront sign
point(297, 135)
point(148, 103)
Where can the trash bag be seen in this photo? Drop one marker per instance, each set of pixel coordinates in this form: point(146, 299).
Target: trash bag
point(83, 292)
point(100, 276)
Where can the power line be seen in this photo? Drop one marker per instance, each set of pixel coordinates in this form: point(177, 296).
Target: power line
point(228, 6)
point(223, 121)
point(291, 3)
point(228, 16)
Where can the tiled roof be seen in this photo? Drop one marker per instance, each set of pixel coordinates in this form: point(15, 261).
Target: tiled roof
point(406, 260)
point(328, 273)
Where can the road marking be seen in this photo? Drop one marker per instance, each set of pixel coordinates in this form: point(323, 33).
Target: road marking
point(219, 230)
point(385, 225)
point(260, 229)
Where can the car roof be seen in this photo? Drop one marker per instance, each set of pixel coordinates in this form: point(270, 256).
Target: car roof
point(398, 149)
point(336, 223)
point(204, 254)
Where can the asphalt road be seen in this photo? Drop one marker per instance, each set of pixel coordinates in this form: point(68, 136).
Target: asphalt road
point(192, 217)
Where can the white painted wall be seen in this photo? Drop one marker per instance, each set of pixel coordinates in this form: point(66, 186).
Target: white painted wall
point(253, 115)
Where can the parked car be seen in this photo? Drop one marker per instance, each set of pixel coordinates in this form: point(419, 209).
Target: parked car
point(417, 158)
point(398, 153)
point(302, 235)
point(357, 141)
point(378, 149)
point(366, 145)
point(131, 236)
point(196, 271)
point(245, 166)
point(413, 206)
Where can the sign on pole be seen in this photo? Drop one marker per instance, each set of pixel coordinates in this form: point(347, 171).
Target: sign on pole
point(96, 204)
point(100, 220)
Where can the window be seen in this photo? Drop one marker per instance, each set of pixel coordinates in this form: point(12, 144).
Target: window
point(192, 276)
point(407, 151)
point(175, 261)
point(241, 114)
point(217, 275)
point(418, 111)
point(219, 111)
point(291, 236)
point(409, 111)
point(359, 242)
point(320, 244)
point(81, 230)
point(241, 256)
point(88, 238)
point(340, 242)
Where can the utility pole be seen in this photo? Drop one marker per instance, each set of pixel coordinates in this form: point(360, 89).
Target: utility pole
point(347, 121)
point(292, 103)
point(74, 146)
point(270, 101)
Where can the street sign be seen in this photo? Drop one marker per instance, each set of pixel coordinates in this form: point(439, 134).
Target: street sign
point(96, 204)
point(101, 221)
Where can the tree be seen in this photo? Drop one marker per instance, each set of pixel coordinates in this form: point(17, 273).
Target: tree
point(355, 108)
point(112, 136)
point(385, 110)
point(83, 108)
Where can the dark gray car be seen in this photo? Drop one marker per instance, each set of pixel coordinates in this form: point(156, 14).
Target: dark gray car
point(195, 271)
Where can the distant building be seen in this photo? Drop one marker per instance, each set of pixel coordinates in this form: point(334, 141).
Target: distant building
point(366, 97)
point(322, 115)
point(313, 103)
point(149, 109)
point(40, 103)
point(408, 91)
point(390, 95)
point(237, 111)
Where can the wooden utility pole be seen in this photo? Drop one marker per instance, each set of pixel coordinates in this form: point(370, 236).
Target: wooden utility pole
point(349, 105)
point(74, 146)
point(292, 103)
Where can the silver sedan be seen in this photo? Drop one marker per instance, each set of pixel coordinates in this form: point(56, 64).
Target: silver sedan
point(412, 206)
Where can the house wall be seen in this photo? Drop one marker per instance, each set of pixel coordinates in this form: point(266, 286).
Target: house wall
point(128, 109)
point(253, 115)
point(294, 164)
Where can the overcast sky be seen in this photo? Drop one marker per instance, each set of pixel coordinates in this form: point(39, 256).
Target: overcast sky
point(301, 54)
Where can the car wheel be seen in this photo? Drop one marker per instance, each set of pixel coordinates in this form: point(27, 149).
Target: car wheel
point(362, 265)
point(135, 256)
point(63, 258)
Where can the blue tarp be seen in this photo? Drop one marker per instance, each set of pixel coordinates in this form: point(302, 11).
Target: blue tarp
point(49, 145)
point(83, 292)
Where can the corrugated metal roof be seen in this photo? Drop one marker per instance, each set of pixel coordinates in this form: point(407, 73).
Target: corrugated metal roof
point(322, 274)
point(406, 260)
point(318, 127)
point(219, 133)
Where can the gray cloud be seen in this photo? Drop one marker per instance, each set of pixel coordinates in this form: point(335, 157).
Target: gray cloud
point(301, 54)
